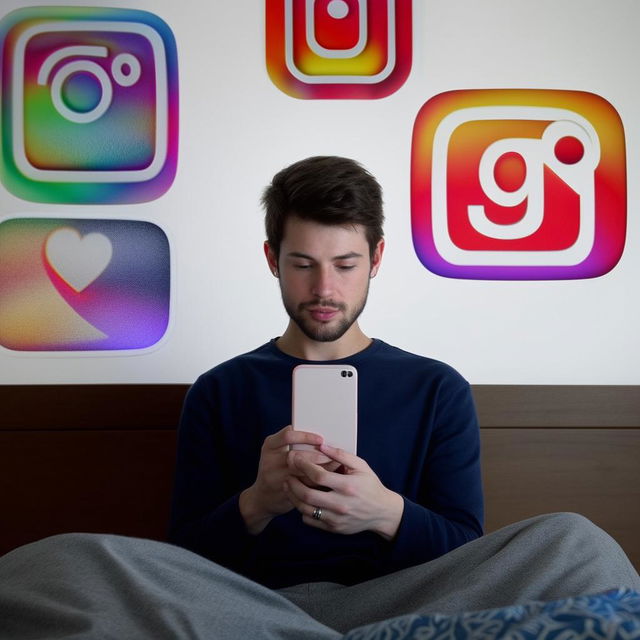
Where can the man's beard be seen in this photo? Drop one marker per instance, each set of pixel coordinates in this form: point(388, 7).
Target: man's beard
point(318, 331)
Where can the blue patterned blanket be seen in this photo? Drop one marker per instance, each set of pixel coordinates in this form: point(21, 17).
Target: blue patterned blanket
point(614, 615)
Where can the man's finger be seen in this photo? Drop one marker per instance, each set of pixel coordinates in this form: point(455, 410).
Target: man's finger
point(294, 436)
point(317, 474)
point(314, 456)
point(288, 436)
point(304, 497)
point(344, 457)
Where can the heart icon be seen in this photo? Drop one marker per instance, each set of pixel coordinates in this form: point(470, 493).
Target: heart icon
point(76, 259)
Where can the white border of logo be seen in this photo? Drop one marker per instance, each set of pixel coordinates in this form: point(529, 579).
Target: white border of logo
point(453, 254)
point(339, 53)
point(162, 102)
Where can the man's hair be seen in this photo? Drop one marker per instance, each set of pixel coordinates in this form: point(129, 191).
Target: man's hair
point(326, 189)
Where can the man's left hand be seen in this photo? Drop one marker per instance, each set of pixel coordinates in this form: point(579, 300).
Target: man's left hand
point(356, 500)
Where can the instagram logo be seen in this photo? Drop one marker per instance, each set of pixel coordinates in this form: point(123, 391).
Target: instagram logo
point(82, 285)
point(518, 185)
point(89, 105)
point(338, 48)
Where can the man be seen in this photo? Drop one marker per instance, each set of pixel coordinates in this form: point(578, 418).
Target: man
point(414, 490)
point(318, 542)
point(354, 553)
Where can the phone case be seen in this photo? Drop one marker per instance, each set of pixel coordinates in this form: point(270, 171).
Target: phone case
point(325, 401)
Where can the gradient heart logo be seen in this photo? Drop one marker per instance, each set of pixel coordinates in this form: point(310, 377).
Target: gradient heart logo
point(83, 285)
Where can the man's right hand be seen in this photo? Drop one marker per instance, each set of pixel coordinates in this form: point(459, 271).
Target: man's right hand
point(266, 497)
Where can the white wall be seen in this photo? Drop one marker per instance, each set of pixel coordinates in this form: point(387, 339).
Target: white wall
point(237, 129)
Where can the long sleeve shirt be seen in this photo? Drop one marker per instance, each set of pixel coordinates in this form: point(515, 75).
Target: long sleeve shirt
point(417, 430)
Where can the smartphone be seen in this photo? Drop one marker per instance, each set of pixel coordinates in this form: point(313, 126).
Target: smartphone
point(325, 401)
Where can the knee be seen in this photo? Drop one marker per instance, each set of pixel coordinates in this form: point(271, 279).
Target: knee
point(73, 541)
point(569, 522)
point(568, 529)
point(565, 524)
point(60, 546)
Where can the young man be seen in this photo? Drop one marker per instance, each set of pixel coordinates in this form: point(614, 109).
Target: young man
point(319, 542)
point(388, 537)
point(412, 493)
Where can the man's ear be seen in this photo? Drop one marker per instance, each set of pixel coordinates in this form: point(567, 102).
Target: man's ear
point(272, 259)
point(376, 259)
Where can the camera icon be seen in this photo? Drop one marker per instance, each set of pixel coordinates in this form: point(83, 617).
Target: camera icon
point(90, 102)
point(125, 71)
point(329, 64)
point(338, 48)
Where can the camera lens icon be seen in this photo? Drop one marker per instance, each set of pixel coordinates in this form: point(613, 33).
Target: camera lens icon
point(125, 70)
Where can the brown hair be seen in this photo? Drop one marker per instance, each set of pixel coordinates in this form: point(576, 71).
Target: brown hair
point(326, 189)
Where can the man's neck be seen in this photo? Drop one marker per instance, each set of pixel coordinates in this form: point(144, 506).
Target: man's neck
point(294, 343)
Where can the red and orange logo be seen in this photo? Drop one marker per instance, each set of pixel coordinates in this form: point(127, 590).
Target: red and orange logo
point(338, 48)
point(518, 185)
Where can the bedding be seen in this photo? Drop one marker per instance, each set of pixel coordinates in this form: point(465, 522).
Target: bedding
point(614, 615)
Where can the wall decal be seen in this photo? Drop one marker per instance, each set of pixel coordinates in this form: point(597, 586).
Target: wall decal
point(82, 285)
point(89, 105)
point(518, 185)
point(338, 48)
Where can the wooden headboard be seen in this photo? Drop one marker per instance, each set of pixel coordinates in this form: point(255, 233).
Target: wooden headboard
point(100, 457)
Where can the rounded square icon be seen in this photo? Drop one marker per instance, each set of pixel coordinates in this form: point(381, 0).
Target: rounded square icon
point(89, 105)
point(511, 184)
point(338, 48)
point(69, 284)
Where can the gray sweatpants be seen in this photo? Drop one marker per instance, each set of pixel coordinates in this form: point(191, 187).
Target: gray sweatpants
point(99, 586)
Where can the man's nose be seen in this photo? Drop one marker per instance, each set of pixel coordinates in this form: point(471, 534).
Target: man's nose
point(323, 282)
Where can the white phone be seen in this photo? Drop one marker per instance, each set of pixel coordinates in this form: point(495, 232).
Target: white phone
point(325, 401)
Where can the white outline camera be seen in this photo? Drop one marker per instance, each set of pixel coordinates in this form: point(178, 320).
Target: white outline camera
point(162, 99)
point(120, 62)
point(322, 52)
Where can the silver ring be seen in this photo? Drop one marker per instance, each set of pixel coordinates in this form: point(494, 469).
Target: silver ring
point(317, 513)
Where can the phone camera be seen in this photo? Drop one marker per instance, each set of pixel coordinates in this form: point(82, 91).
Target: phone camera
point(345, 374)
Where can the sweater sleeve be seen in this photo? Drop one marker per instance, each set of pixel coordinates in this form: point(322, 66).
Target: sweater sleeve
point(205, 514)
point(449, 508)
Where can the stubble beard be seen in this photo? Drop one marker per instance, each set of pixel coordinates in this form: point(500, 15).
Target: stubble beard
point(319, 331)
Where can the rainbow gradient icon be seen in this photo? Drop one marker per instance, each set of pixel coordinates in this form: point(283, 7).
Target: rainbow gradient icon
point(89, 105)
point(518, 185)
point(338, 48)
point(82, 285)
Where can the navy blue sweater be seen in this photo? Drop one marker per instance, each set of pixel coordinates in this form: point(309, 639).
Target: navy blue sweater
point(417, 430)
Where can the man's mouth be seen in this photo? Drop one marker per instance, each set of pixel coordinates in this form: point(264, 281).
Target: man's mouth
point(323, 314)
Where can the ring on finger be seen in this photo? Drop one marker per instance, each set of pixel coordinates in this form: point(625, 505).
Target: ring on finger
point(317, 513)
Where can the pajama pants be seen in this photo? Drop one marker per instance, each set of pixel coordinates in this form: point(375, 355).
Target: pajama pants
point(94, 586)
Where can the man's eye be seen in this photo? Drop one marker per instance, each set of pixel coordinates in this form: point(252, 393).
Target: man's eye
point(346, 267)
point(301, 266)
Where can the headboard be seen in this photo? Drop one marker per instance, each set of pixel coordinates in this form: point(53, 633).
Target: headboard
point(100, 457)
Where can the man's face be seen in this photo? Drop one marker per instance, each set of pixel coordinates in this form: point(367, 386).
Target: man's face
point(324, 273)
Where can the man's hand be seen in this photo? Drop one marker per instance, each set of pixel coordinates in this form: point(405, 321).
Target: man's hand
point(266, 498)
point(357, 500)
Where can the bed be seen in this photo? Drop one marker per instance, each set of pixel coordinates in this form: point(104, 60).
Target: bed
point(99, 458)
point(613, 615)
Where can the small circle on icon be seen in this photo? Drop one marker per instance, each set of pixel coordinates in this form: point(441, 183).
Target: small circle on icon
point(126, 69)
point(569, 150)
point(338, 9)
